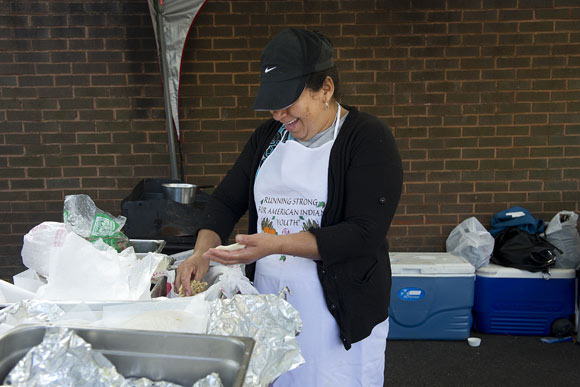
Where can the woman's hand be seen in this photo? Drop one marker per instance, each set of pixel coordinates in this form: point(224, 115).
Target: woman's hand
point(257, 246)
point(302, 244)
point(194, 267)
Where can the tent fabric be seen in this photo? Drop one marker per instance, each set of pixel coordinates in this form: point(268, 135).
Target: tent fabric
point(172, 20)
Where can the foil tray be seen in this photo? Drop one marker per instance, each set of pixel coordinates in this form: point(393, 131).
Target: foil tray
point(179, 358)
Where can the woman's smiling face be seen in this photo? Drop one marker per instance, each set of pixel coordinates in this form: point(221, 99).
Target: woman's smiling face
point(307, 116)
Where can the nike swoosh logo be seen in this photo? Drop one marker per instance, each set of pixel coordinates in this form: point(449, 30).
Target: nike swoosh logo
point(268, 69)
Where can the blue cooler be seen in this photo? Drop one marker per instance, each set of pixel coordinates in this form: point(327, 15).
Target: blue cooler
point(518, 302)
point(431, 297)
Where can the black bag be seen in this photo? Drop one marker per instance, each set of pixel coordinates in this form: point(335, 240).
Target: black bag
point(517, 248)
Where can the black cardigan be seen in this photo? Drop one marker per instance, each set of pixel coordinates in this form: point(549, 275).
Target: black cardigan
point(364, 186)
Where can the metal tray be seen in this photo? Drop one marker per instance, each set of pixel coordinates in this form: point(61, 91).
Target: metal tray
point(142, 246)
point(180, 358)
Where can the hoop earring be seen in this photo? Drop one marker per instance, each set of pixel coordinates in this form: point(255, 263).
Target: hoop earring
point(326, 105)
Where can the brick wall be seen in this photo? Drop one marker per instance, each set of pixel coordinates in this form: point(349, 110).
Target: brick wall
point(483, 97)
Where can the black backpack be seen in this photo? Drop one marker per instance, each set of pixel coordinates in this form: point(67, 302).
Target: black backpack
point(520, 249)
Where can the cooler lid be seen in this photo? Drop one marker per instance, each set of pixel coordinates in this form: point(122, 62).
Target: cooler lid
point(430, 264)
point(497, 271)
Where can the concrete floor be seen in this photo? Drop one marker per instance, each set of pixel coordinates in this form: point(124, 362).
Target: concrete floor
point(500, 361)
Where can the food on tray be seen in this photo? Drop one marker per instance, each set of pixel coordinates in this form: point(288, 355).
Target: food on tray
point(195, 286)
point(235, 246)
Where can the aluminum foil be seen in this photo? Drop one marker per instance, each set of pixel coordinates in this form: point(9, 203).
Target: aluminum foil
point(63, 359)
point(211, 380)
point(144, 382)
point(30, 311)
point(272, 322)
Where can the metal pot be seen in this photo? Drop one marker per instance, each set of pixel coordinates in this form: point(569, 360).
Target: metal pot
point(183, 193)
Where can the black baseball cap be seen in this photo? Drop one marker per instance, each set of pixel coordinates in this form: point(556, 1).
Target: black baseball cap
point(287, 62)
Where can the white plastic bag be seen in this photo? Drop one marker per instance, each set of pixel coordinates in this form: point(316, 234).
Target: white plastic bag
point(471, 241)
point(227, 280)
point(223, 281)
point(563, 234)
point(82, 216)
point(39, 244)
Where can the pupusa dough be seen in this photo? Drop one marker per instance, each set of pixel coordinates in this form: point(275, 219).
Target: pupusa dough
point(234, 247)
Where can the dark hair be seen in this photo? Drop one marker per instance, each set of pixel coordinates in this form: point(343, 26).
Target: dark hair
point(316, 81)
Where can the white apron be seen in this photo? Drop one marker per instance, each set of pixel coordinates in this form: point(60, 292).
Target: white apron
point(291, 190)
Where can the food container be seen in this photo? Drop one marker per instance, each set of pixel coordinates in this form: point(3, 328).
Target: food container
point(474, 341)
point(144, 246)
point(431, 297)
point(180, 358)
point(510, 301)
point(180, 192)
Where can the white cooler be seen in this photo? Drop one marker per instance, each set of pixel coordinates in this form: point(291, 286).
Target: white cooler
point(431, 296)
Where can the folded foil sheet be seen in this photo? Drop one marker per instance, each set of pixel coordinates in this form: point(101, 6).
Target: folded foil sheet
point(272, 322)
point(63, 359)
point(30, 311)
point(144, 382)
point(211, 380)
point(269, 319)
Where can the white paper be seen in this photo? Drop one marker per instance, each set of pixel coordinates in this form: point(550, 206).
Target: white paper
point(189, 315)
point(78, 271)
point(28, 280)
point(11, 293)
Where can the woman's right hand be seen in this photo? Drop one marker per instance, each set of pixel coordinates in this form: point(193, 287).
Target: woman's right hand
point(194, 267)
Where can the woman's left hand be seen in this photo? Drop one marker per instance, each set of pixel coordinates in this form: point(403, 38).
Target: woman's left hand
point(257, 246)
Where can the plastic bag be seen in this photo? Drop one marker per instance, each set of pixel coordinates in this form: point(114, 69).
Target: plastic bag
point(518, 248)
point(83, 217)
point(562, 233)
point(470, 240)
point(227, 281)
point(39, 244)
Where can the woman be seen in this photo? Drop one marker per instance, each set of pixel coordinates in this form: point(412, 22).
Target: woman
point(321, 183)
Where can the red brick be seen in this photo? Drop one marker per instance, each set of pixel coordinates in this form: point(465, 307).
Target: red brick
point(470, 89)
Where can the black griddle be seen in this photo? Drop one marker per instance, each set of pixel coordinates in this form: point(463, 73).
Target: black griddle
point(151, 216)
